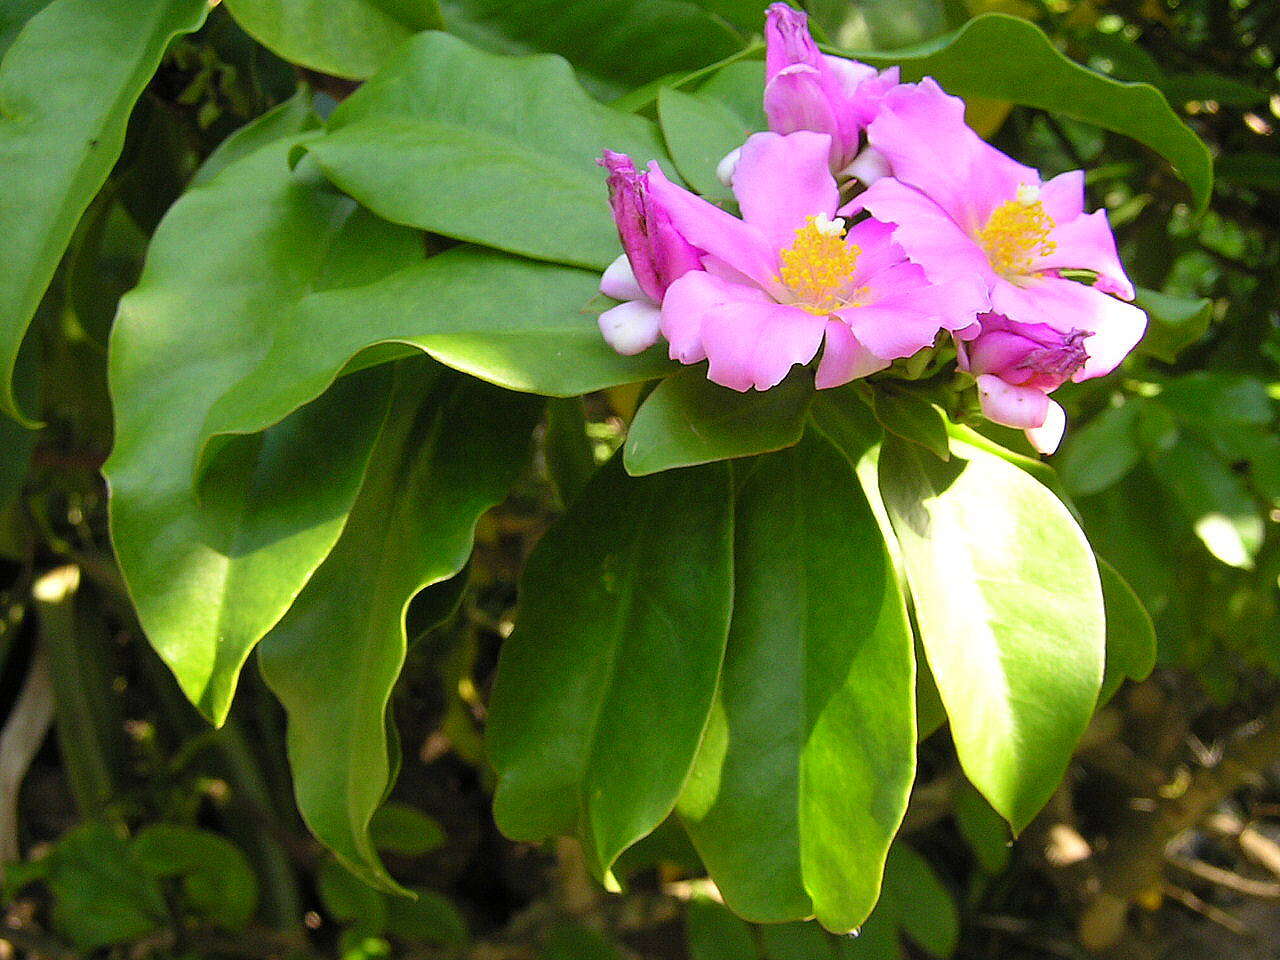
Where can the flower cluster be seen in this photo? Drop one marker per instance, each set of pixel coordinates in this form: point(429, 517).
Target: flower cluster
point(943, 232)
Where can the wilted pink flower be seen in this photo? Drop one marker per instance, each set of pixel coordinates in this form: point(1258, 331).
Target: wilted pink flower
point(1016, 366)
point(654, 255)
point(808, 90)
point(786, 276)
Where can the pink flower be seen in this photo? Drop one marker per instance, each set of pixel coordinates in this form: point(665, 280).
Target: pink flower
point(787, 276)
point(654, 255)
point(807, 90)
point(962, 208)
point(1016, 366)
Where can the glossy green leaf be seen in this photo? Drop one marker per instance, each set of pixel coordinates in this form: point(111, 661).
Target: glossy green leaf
point(803, 775)
point(624, 610)
point(67, 84)
point(700, 132)
point(291, 118)
point(345, 38)
point(218, 882)
point(425, 142)
point(712, 932)
point(1213, 401)
point(1175, 323)
point(689, 420)
point(1006, 58)
point(513, 322)
point(450, 449)
point(1010, 611)
point(1131, 637)
point(1102, 451)
point(209, 579)
point(613, 44)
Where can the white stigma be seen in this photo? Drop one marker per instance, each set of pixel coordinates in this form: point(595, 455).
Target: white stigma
point(1028, 193)
point(829, 226)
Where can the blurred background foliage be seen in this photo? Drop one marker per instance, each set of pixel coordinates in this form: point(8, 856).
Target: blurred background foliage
point(128, 828)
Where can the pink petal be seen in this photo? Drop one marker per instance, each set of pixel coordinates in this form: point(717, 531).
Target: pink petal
point(924, 231)
point(1022, 407)
point(1087, 243)
point(740, 245)
point(921, 130)
point(631, 327)
point(1063, 196)
point(619, 281)
point(794, 100)
point(688, 301)
point(1046, 437)
point(781, 180)
point(844, 358)
point(1114, 326)
point(878, 252)
point(757, 344)
point(906, 312)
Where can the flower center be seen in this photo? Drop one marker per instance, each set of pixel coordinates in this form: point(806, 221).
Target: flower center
point(1017, 232)
point(818, 267)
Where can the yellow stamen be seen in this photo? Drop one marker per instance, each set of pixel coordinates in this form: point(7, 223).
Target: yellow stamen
point(818, 266)
point(1016, 233)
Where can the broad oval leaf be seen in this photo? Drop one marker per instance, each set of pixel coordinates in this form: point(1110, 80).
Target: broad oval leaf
point(1010, 611)
point(604, 687)
point(1100, 453)
point(689, 420)
point(700, 132)
point(804, 773)
point(345, 38)
point(208, 580)
point(514, 322)
point(1007, 58)
point(493, 150)
point(450, 449)
point(68, 83)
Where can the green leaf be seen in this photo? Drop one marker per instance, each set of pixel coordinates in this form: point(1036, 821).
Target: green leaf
point(427, 918)
point(450, 450)
point(923, 906)
point(293, 117)
point(614, 44)
point(67, 84)
point(982, 828)
point(347, 898)
point(624, 610)
point(14, 15)
point(1131, 637)
point(795, 941)
point(1101, 452)
point(569, 941)
point(804, 772)
point(345, 38)
point(400, 828)
point(17, 442)
point(1175, 323)
point(218, 882)
point(101, 895)
point(913, 419)
point(1216, 402)
point(488, 149)
point(700, 132)
point(1010, 611)
point(689, 420)
point(713, 933)
point(1260, 171)
point(1006, 58)
point(209, 579)
point(571, 458)
point(510, 321)
point(1215, 500)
